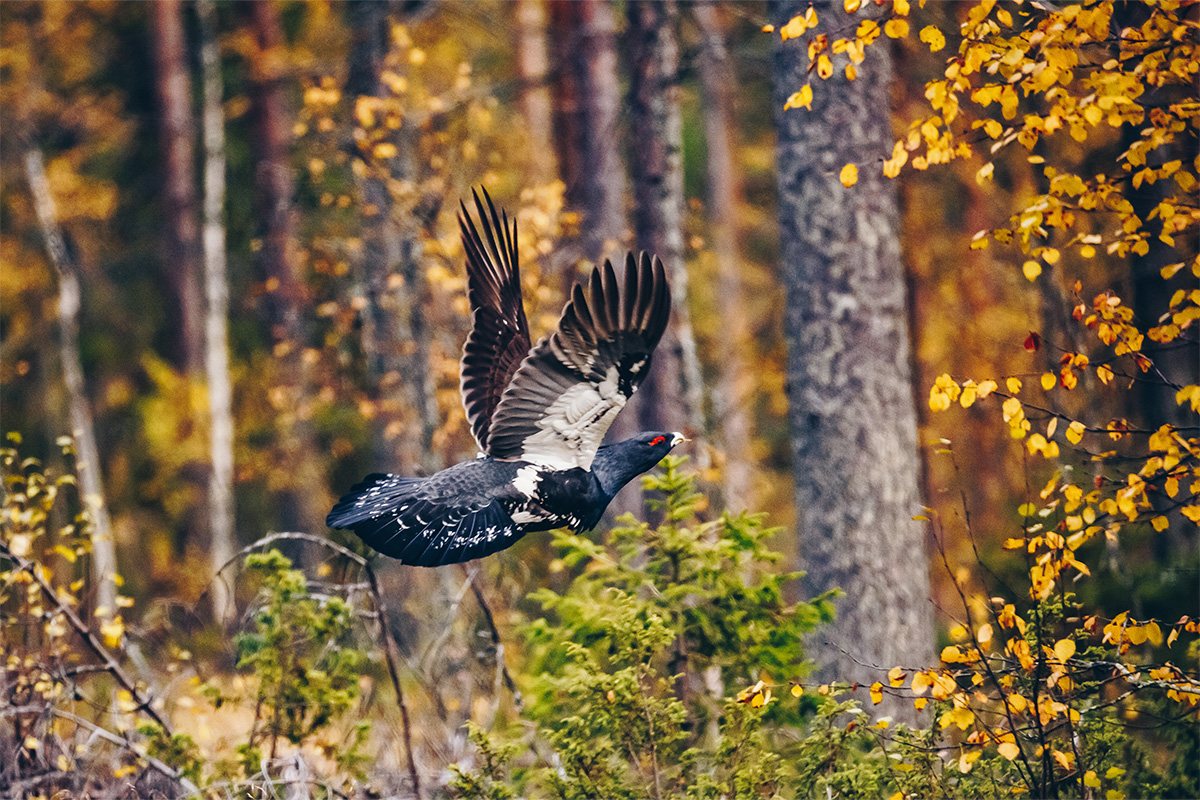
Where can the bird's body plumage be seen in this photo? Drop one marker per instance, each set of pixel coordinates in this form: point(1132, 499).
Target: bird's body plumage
point(537, 412)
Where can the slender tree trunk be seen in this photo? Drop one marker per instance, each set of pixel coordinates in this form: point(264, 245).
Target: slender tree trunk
point(87, 454)
point(854, 432)
point(181, 243)
point(302, 505)
point(216, 335)
point(533, 67)
point(584, 35)
point(671, 398)
point(734, 385)
point(601, 179)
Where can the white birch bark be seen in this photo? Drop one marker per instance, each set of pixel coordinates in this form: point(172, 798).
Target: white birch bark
point(216, 334)
point(87, 454)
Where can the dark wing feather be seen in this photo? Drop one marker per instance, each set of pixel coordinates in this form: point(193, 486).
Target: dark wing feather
point(569, 389)
point(499, 338)
point(397, 517)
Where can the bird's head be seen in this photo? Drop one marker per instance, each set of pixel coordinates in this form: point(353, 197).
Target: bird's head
point(617, 464)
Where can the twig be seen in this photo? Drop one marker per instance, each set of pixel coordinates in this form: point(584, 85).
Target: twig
point(109, 736)
point(111, 665)
point(499, 646)
point(389, 642)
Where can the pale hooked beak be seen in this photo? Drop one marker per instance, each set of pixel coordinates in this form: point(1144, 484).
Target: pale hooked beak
point(678, 438)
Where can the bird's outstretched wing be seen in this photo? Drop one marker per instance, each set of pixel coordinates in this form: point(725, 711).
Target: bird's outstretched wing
point(499, 337)
point(572, 385)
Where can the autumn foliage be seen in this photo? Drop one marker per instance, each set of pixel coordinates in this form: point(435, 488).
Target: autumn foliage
point(1047, 156)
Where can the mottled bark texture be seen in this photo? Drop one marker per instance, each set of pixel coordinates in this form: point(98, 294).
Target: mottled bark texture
point(851, 409)
point(671, 398)
point(733, 392)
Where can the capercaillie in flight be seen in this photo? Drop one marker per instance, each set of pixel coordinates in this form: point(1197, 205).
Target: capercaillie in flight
point(538, 413)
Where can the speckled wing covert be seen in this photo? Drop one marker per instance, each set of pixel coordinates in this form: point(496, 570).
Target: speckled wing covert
point(499, 338)
point(567, 391)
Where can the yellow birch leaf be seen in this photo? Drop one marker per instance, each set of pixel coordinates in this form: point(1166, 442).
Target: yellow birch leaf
point(1049, 379)
point(803, 97)
point(1074, 432)
point(852, 6)
point(849, 175)
point(876, 692)
point(1064, 649)
point(1160, 524)
point(896, 28)
point(1009, 750)
point(824, 66)
point(932, 36)
point(896, 676)
point(797, 690)
point(1091, 780)
point(1031, 269)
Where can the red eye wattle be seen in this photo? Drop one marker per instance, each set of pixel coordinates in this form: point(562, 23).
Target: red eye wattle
point(657, 440)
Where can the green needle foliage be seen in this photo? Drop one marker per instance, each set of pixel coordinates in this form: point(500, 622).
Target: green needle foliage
point(628, 669)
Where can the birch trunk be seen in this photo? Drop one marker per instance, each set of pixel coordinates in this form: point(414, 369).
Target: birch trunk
point(671, 399)
point(87, 454)
point(734, 389)
point(854, 431)
point(216, 336)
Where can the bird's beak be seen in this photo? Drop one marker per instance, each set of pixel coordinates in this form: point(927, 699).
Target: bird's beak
point(678, 438)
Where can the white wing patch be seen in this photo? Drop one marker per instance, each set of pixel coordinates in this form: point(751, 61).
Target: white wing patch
point(574, 425)
point(526, 481)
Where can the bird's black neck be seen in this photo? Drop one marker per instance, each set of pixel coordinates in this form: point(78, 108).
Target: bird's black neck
point(617, 464)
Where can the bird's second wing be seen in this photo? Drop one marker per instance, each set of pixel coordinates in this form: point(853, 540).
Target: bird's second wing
point(499, 337)
point(400, 518)
point(567, 392)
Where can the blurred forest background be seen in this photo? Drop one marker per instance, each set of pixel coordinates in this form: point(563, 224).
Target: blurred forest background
point(230, 270)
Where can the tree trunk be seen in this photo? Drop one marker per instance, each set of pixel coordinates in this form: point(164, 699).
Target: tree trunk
point(216, 336)
point(87, 454)
point(671, 399)
point(600, 183)
point(734, 384)
point(854, 432)
point(533, 68)
point(584, 32)
point(181, 242)
point(303, 504)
